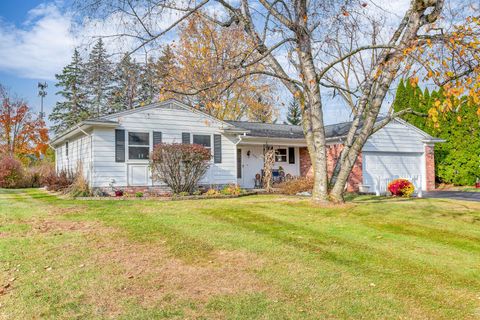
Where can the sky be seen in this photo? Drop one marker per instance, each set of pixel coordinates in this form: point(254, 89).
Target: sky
point(37, 39)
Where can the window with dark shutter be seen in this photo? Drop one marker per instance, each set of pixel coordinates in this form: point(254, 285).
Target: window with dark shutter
point(157, 138)
point(217, 148)
point(138, 145)
point(185, 138)
point(119, 145)
point(291, 155)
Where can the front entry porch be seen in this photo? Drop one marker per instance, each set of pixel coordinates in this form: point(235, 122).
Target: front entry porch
point(250, 163)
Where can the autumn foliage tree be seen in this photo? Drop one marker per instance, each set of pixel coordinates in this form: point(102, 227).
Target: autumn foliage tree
point(205, 57)
point(22, 134)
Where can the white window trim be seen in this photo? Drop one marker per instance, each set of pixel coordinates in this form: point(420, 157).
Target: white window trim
point(150, 145)
point(203, 134)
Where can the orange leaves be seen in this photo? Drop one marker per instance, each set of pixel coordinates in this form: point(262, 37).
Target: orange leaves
point(206, 66)
point(23, 134)
point(414, 81)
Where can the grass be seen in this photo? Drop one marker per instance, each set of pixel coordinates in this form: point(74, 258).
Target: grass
point(258, 257)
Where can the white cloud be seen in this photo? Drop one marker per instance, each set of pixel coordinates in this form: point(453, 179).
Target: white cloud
point(40, 46)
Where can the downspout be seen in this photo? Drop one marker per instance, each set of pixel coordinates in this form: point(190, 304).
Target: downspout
point(236, 153)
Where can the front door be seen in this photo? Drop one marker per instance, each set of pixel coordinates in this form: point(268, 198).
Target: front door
point(239, 167)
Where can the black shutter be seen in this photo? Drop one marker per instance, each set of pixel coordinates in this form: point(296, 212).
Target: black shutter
point(157, 138)
point(185, 138)
point(217, 148)
point(291, 155)
point(119, 145)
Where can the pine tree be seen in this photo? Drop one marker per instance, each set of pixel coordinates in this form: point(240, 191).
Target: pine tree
point(73, 108)
point(127, 81)
point(294, 115)
point(148, 89)
point(99, 80)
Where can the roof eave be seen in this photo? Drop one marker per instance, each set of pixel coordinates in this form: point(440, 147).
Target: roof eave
point(433, 140)
point(82, 126)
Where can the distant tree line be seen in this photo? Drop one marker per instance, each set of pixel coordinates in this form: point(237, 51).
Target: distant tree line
point(457, 160)
point(96, 85)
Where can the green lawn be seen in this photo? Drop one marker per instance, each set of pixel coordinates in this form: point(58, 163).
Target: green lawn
point(258, 257)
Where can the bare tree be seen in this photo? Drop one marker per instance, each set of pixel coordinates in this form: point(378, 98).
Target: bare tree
point(344, 46)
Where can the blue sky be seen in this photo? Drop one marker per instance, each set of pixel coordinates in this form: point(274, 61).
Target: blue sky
point(27, 55)
point(37, 40)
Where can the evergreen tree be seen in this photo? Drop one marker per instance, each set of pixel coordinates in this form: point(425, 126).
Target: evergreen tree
point(294, 115)
point(126, 88)
point(99, 80)
point(73, 108)
point(148, 89)
point(457, 159)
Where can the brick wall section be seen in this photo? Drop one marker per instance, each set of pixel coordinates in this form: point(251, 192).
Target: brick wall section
point(333, 152)
point(430, 167)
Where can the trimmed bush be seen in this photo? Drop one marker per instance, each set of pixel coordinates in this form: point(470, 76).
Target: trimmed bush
point(295, 186)
point(401, 188)
point(231, 190)
point(11, 172)
point(179, 166)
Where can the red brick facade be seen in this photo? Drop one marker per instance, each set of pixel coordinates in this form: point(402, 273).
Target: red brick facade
point(333, 152)
point(430, 167)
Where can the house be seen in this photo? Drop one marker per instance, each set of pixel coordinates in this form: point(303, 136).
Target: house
point(113, 150)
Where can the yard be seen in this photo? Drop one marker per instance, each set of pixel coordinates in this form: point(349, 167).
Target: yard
point(267, 257)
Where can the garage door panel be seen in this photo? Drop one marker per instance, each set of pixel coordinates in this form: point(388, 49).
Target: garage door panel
point(390, 165)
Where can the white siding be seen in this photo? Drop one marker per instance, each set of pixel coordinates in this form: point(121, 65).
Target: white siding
point(395, 151)
point(79, 152)
point(171, 121)
point(395, 137)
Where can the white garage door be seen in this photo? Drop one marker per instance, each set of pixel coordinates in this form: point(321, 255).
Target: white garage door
point(386, 166)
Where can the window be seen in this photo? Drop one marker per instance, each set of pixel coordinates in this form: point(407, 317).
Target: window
point(291, 155)
point(281, 155)
point(138, 145)
point(203, 140)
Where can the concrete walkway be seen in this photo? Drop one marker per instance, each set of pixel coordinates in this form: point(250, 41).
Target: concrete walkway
point(457, 195)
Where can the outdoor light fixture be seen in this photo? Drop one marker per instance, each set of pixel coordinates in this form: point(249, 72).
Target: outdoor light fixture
point(248, 153)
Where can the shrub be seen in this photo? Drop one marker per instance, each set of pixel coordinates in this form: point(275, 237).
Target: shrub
point(231, 190)
point(11, 172)
point(295, 186)
point(79, 186)
point(212, 192)
point(401, 188)
point(59, 181)
point(35, 176)
point(179, 166)
point(138, 194)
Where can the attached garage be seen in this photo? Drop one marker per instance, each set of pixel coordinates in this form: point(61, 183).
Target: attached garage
point(399, 150)
point(381, 167)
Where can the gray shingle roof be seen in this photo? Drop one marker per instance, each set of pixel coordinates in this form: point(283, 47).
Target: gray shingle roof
point(273, 130)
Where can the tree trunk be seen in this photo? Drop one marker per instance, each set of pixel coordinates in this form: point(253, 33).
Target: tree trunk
point(313, 125)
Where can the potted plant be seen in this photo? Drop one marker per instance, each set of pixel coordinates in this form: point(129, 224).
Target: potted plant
point(477, 184)
point(118, 193)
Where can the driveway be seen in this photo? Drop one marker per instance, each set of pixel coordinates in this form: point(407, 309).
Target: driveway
point(457, 195)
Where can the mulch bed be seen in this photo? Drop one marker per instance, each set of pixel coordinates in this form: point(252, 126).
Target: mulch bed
point(170, 198)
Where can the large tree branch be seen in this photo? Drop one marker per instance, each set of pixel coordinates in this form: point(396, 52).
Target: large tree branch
point(349, 54)
point(173, 25)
